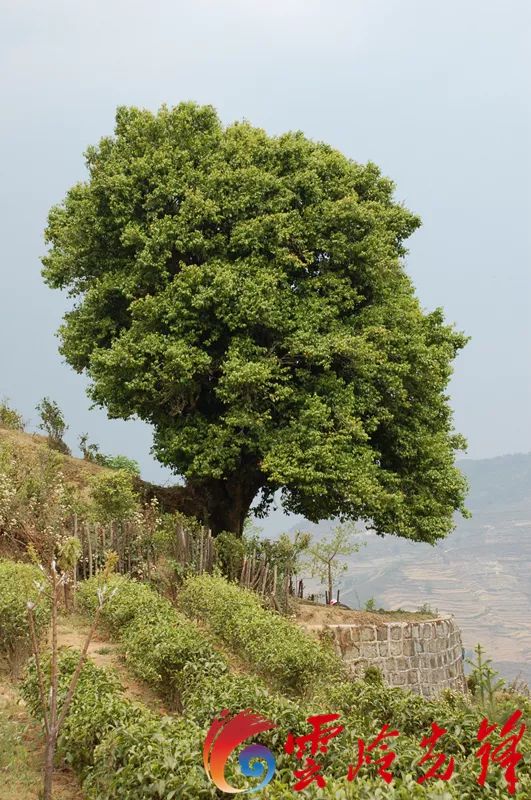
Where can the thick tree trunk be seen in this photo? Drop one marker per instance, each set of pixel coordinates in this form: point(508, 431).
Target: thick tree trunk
point(220, 504)
point(227, 502)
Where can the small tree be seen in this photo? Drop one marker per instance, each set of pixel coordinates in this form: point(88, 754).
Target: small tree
point(53, 423)
point(54, 717)
point(89, 450)
point(326, 554)
point(483, 681)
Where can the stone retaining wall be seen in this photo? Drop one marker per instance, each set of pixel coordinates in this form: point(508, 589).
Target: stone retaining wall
point(425, 657)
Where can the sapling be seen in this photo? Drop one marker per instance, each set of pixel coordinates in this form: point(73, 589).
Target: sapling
point(326, 555)
point(53, 582)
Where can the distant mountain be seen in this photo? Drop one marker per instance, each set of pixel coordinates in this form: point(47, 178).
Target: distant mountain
point(481, 572)
point(498, 483)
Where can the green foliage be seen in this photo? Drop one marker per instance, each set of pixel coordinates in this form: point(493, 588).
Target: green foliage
point(370, 604)
point(54, 425)
point(121, 749)
point(169, 652)
point(18, 586)
point(283, 553)
point(162, 646)
point(177, 659)
point(127, 599)
point(91, 452)
point(69, 553)
point(124, 751)
point(372, 675)
point(153, 758)
point(326, 555)
point(114, 498)
point(425, 608)
point(230, 552)
point(10, 418)
point(483, 681)
point(121, 462)
point(271, 644)
point(246, 295)
point(35, 501)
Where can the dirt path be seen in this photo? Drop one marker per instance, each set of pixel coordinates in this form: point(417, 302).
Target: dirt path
point(72, 631)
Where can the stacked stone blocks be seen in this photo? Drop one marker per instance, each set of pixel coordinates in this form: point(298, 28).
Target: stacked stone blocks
point(425, 657)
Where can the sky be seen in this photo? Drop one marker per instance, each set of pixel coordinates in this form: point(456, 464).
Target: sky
point(436, 93)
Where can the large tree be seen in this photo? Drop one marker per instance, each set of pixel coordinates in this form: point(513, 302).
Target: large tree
point(246, 295)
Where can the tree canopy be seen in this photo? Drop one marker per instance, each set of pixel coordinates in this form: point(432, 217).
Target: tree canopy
point(246, 295)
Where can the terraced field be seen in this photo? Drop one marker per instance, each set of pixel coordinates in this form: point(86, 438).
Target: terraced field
point(481, 573)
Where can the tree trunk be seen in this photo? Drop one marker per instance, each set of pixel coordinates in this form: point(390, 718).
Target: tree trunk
point(48, 765)
point(219, 504)
point(329, 583)
point(227, 502)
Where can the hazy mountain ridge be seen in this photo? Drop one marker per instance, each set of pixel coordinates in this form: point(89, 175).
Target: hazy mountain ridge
point(481, 572)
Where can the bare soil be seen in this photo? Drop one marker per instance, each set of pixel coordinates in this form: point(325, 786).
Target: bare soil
point(72, 631)
point(308, 613)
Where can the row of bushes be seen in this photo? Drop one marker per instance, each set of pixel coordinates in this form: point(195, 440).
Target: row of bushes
point(118, 748)
point(272, 645)
point(19, 585)
point(122, 750)
point(161, 645)
point(174, 656)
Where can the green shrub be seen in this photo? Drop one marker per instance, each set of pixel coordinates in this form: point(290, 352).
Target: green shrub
point(161, 646)
point(152, 758)
point(119, 748)
point(129, 599)
point(97, 706)
point(271, 644)
point(167, 651)
point(53, 424)
point(9, 418)
point(17, 588)
point(113, 496)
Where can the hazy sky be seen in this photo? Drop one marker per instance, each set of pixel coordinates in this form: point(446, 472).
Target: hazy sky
point(436, 93)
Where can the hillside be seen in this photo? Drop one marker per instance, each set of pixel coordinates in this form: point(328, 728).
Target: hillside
point(481, 573)
point(78, 472)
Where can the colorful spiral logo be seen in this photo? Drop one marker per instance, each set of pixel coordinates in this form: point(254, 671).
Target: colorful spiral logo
point(226, 734)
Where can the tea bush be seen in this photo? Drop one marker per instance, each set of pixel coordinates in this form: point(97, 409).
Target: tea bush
point(129, 599)
point(17, 587)
point(155, 758)
point(271, 644)
point(120, 749)
point(167, 651)
point(162, 646)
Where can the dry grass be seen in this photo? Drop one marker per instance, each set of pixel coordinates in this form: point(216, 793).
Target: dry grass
point(308, 613)
point(77, 471)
